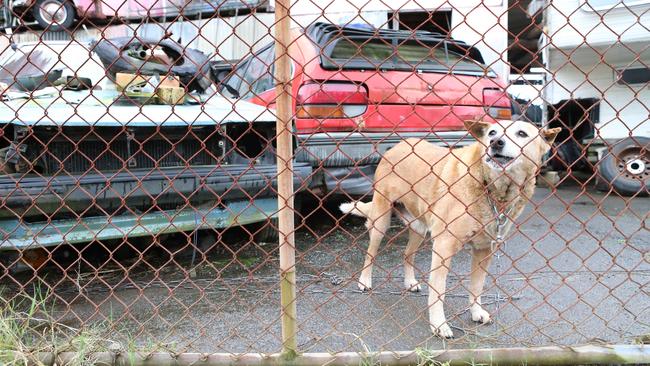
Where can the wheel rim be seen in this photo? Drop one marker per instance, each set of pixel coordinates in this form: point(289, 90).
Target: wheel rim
point(53, 12)
point(633, 163)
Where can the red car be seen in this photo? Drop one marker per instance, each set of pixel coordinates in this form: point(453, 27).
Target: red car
point(358, 91)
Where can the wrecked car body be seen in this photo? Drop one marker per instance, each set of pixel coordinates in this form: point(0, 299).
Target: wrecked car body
point(93, 170)
point(55, 15)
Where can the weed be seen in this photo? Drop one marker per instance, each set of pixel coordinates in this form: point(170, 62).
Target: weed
point(244, 261)
point(369, 358)
point(642, 339)
point(427, 357)
point(27, 327)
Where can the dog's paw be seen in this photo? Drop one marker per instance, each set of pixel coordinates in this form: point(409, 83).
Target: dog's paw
point(443, 331)
point(412, 286)
point(365, 284)
point(479, 314)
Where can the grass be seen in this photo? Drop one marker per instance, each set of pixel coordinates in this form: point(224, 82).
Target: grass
point(427, 357)
point(245, 261)
point(27, 327)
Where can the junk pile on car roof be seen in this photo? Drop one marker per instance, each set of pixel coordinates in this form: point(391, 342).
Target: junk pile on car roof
point(154, 57)
point(144, 71)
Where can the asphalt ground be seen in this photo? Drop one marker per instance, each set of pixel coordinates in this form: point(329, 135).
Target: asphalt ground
point(576, 272)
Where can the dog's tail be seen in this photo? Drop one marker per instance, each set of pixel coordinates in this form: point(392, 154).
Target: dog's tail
point(356, 208)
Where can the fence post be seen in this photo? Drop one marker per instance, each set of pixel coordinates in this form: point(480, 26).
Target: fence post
point(285, 178)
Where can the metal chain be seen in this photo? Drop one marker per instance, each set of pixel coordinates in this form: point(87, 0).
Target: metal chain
point(498, 244)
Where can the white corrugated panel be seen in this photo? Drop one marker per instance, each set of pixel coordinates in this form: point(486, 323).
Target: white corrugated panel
point(573, 23)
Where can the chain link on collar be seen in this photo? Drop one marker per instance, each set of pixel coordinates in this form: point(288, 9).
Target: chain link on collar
point(501, 218)
point(500, 221)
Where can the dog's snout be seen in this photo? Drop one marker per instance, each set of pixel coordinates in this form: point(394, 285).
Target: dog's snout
point(497, 144)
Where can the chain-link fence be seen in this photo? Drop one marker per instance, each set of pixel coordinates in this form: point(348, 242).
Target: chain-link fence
point(348, 182)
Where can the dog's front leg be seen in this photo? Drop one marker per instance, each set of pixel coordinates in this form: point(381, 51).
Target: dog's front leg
point(444, 249)
point(481, 259)
point(415, 240)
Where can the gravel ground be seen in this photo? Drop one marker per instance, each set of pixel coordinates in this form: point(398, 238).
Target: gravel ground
point(577, 272)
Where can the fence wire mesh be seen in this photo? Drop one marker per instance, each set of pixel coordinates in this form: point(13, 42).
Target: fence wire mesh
point(139, 186)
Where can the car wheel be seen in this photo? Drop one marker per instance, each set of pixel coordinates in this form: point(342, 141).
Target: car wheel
point(627, 166)
point(266, 231)
point(54, 15)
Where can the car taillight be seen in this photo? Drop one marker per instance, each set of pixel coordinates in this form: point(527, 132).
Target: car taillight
point(331, 100)
point(497, 103)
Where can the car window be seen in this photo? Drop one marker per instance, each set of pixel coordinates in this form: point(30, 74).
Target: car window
point(259, 75)
point(379, 51)
point(254, 75)
point(351, 53)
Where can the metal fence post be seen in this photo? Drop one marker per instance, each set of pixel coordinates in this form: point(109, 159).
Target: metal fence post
point(285, 178)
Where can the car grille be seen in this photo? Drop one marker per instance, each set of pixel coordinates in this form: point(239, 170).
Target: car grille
point(117, 150)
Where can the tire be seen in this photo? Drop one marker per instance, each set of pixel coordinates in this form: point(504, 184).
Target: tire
point(266, 231)
point(627, 166)
point(54, 15)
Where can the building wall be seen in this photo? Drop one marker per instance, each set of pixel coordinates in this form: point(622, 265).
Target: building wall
point(572, 23)
point(484, 25)
point(585, 47)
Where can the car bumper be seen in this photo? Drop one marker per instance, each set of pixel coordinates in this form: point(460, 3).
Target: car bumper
point(345, 162)
point(19, 235)
point(130, 203)
point(332, 149)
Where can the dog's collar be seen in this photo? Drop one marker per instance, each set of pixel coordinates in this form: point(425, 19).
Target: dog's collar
point(500, 207)
point(499, 202)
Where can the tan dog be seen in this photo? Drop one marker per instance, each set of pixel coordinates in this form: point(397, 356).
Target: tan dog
point(456, 196)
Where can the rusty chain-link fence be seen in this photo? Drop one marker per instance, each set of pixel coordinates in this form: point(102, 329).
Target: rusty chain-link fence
point(152, 151)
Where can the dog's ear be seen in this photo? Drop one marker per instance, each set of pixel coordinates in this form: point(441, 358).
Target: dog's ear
point(550, 134)
point(477, 128)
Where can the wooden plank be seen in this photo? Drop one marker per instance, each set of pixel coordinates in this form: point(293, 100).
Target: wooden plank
point(285, 179)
